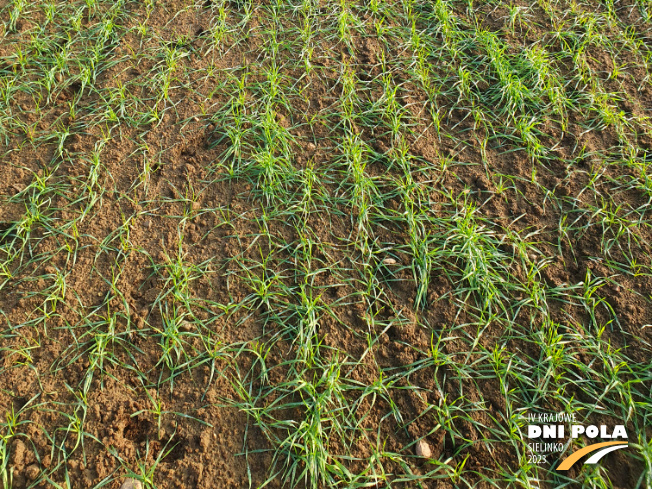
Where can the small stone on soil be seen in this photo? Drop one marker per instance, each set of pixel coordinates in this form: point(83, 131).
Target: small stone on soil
point(131, 484)
point(423, 449)
point(389, 261)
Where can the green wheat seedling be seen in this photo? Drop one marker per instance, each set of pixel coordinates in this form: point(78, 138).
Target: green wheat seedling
point(144, 470)
point(8, 432)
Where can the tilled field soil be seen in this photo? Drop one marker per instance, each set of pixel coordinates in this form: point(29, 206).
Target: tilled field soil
point(281, 244)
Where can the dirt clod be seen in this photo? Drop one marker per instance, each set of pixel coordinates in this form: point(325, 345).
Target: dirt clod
point(32, 471)
point(19, 450)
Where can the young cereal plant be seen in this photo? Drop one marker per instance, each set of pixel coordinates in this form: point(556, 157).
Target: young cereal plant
point(145, 470)
point(423, 250)
point(474, 249)
point(219, 27)
point(307, 35)
point(345, 23)
point(8, 430)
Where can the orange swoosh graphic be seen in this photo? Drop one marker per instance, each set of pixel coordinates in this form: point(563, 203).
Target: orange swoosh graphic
point(569, 461)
